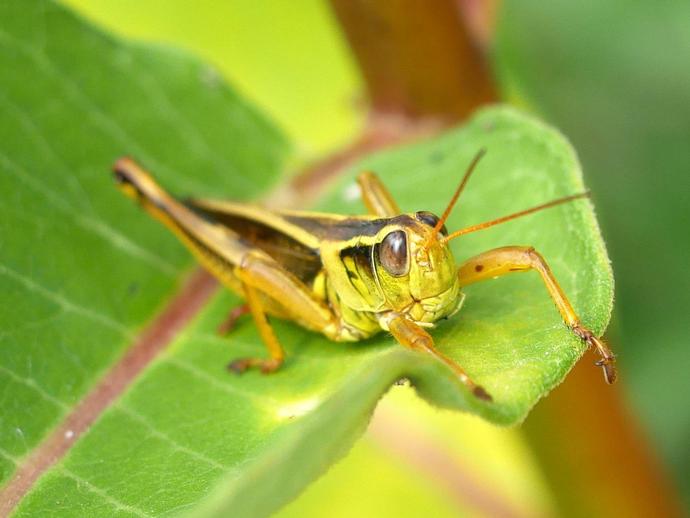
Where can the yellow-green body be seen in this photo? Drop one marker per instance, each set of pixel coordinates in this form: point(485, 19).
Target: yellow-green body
point(348, 277)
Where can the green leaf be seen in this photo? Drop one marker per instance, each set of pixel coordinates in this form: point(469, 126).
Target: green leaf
point(83, 269)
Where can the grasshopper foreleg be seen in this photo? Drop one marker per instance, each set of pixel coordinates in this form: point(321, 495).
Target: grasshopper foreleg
point(410, 335)
point(509, 259)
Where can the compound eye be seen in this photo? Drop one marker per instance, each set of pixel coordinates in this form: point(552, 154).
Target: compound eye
point(393, 253)
point(430, 219)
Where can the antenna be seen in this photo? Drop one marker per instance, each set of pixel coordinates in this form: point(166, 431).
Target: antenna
point(503, 219)
point(454, 199)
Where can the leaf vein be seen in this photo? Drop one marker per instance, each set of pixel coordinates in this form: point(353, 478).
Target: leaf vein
point(91, 108)
point(61, 301)
point(97, 226)
point(166, 438)
point(268, 403)
point(31, 383)
point(103, 494)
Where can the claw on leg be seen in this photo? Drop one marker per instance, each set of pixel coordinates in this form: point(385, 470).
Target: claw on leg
point(265, 365)
point(481, 393)
point(607, 361)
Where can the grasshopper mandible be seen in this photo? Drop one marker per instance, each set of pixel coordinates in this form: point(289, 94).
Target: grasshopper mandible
point(348, 277)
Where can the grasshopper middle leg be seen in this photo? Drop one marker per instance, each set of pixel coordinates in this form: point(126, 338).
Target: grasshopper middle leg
point(262, 276)
point(267, 335)
point(376, 196)
point(509, 259)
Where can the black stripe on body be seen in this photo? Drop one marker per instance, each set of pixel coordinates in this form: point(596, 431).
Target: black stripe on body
point(294, 256)
point(359, 268)
point(338, 229)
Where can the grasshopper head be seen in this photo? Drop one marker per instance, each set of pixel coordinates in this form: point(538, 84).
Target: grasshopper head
point(419, 252)
point(417, 274)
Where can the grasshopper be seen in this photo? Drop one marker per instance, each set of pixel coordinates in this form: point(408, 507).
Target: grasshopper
point(348, 277)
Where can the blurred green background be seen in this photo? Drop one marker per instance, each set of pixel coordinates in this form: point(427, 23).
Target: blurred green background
point(290, 61)
point(614, 77)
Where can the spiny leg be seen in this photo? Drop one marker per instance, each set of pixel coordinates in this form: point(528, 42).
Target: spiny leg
point(268, 277)
point(509, 259)
point(410, 335)
point(267, 335)
point(376, 196)
point(262, 276)
point(235, 314)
